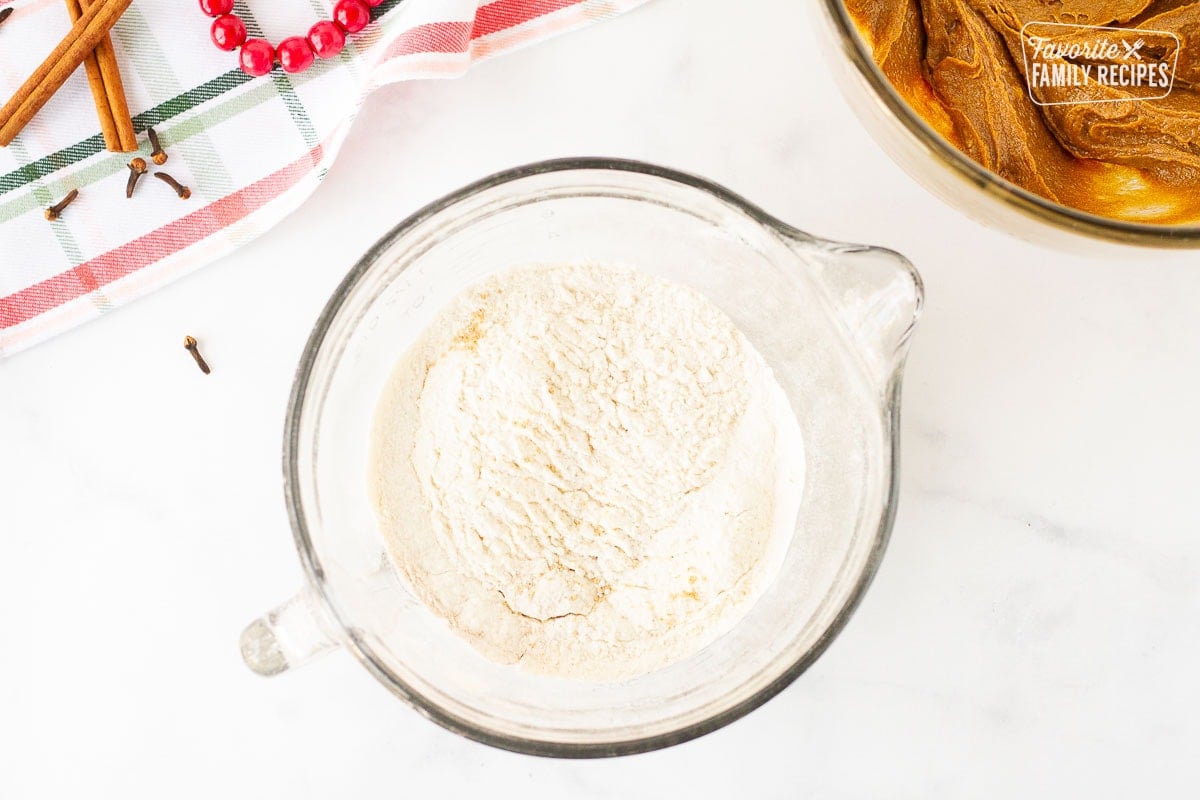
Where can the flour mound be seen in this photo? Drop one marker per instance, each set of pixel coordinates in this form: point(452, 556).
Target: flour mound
point(585, 470)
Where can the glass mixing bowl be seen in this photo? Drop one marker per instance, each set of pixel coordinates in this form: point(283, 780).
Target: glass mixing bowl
point(832, 320)
point(957, 179)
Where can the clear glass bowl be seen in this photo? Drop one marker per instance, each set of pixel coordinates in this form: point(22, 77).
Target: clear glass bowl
point(957, 179)
point(833, 321)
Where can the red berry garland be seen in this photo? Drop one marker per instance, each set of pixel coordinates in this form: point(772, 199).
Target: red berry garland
point(326, 39)
point(295, 53)
point(257, 57)
point(215, 8)
point(228, 32)
point(351, 15)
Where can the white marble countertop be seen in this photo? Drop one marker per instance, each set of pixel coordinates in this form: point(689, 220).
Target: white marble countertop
point(1033, 631)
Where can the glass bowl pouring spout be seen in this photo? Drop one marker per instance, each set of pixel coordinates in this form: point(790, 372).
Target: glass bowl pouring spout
point(876, 293)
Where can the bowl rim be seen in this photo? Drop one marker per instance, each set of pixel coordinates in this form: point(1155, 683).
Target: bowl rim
point(966, 169)
point(363, 652)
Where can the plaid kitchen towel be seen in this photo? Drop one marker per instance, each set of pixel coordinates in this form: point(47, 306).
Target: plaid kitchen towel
point(251, 149)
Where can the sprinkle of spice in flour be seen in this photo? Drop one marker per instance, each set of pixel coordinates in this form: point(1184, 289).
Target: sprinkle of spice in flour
point(586, 471)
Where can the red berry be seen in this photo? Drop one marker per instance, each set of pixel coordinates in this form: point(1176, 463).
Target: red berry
point(257, 57)
point(373, 3)
point(228, 32)
point(215, 8)
point(294, 54)
point(351, 15)
point(326, 39)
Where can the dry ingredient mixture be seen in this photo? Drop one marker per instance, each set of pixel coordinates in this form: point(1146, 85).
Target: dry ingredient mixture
point(963, 66)
point(585, 470)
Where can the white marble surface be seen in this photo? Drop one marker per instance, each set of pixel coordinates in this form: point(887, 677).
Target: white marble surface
point(1034, 631)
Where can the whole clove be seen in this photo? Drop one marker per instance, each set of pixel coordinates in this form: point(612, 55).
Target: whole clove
point(55, 211)
point(137, 168)
point(181, 190)
point(159, 156)
point(189, 344)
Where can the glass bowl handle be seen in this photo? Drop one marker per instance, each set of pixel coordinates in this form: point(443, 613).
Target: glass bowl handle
point(289, 635)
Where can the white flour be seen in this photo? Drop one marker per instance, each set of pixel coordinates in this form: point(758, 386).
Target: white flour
point(585, 470)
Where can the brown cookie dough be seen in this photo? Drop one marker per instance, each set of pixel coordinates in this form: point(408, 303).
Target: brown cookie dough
point(962, 66)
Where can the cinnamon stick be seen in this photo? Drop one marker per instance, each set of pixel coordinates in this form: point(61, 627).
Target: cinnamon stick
point(114, 87)
point(96, 83)
point(66, 57)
